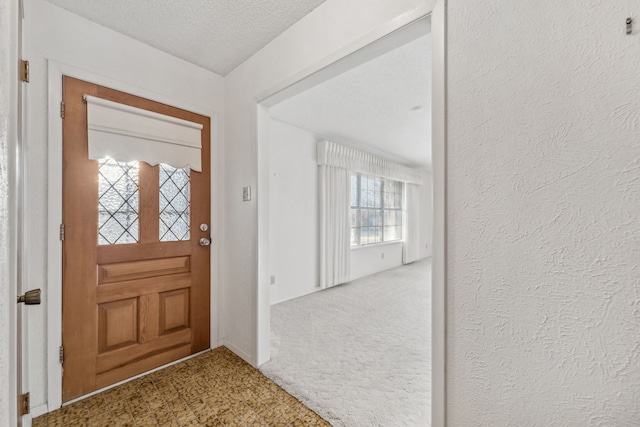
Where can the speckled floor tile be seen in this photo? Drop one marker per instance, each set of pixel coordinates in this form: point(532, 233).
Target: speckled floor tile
point(216, 388)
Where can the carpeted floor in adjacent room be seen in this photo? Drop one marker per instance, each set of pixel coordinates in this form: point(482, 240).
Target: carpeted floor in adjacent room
point(359, 354)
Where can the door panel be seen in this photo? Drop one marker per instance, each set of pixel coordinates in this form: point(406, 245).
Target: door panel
point(135, 279)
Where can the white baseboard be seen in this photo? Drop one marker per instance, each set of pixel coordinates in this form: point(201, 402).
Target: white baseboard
point(36, 411)
point(318, 289)
point(244, 356)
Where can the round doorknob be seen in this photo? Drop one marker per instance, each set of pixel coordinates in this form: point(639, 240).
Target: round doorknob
point(205, 241)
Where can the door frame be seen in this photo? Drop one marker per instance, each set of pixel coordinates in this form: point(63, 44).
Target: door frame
point(13, 223)
point(330, 66)
point(54, 217)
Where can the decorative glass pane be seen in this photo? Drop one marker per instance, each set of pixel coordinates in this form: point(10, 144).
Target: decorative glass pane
point(175, 197)
point(118, 202)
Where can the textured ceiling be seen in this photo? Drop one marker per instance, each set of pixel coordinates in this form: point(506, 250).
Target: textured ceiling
point(373, 106)
point(215, 34)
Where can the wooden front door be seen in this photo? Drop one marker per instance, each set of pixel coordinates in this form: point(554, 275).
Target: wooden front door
point(135, 278)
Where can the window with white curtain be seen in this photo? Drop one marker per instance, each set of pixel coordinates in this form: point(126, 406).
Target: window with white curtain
point(376, 210)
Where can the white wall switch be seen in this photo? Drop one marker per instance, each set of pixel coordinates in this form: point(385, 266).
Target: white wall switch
point(246, 194)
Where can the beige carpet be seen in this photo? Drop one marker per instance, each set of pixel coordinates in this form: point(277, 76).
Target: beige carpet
point(359, 354)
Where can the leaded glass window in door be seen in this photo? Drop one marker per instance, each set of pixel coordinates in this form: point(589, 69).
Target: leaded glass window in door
point(175, 206)
point(118, 202)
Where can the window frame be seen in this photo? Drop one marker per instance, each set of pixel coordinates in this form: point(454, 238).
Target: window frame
point(381, 209)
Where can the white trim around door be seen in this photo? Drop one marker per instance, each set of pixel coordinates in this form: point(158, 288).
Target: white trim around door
point(358, 52)
point(54, 216)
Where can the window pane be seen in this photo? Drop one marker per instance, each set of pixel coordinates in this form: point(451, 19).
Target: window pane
point(371, 217)
point(364, 217)
point(368, 198)
point(393, 189)
point(389, 200)
point(368, 187)
point(392, 217)
point(354, 191)
point(175, 217)
point(392, 233)
point(118, 202)
point(354, 217)
point(377, 235)
point(379, 199)
point(367, 235)
point(375, 217)
point(354, 236)
point(377, 192)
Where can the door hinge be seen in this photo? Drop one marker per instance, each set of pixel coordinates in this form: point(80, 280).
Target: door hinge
point(62, 109)
point(24, 404)
point(24, 71)
point(62, 232)
point(61, 355)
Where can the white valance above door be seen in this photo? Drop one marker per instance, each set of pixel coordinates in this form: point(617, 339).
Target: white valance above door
point(127, 133)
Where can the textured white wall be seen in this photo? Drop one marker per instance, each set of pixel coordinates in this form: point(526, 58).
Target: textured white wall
point(426, 212)
point(372, 259)
point(293, 206)
point(9, 23)
point(303, 49)
point(5, 107)
point(543, 200)
point(54, 34)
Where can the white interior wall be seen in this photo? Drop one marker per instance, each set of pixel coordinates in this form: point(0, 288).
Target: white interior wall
point(54, 34)
point(293, 190)
point(372, 259)
point(425, 207)
point(543, 201)
point(8, 109)
point(293, 205)
point(305, 48)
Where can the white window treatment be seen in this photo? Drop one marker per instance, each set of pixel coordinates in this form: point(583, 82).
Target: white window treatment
point(335, 244)
point(127, 133)
point(335, 164)
point(330, 153)
point(411, 247)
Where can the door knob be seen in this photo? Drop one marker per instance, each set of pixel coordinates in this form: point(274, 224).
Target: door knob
point(30, 297)
point(205, 241)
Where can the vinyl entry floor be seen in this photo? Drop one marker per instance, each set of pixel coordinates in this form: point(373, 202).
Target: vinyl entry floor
point(216, 388)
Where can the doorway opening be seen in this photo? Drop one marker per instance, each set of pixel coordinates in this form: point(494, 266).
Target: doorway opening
point(270, 109)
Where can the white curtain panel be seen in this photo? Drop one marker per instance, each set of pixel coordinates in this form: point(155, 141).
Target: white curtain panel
point(335, 225)
point(127, 133)
point(411, 247)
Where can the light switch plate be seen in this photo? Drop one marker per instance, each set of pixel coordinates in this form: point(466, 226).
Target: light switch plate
point(246, 194)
